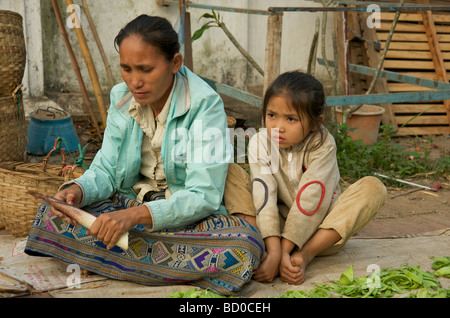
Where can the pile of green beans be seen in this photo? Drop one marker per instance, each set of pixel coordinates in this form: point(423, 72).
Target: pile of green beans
point(408, 280)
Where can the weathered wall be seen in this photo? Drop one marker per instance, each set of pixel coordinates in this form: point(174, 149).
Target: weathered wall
point(30, 10)
point(50, 68)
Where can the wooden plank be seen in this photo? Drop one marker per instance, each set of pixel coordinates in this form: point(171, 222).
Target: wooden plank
point(412, 65)
point(403, 87)
point(402, 27)
point(422, 120)
point(418, 108)
point(273, 49)
point(419, 46)
point(412, 27)
point(388, 98)
point(412, 37)
point(235, 93)
point(414, 55)
point(427, 75)
point(417, 79)
point(409, 55)
point(436, 130)
point(414, 17)
point(435, 49)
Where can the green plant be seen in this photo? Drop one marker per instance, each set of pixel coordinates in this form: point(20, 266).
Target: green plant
point(357, 160)
point(388, 282)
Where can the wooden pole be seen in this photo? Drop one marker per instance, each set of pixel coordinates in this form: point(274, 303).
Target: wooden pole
point(76, 67)
point(91, 69)
point(188, 59)
point(99, 44)
point(273, 49)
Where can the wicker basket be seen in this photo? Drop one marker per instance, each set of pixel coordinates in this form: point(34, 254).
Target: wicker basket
point(12, 51)
point(13, 128)
point(17, 207)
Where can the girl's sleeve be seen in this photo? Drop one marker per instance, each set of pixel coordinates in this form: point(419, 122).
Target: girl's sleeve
point(314, 194)
point(264, 186)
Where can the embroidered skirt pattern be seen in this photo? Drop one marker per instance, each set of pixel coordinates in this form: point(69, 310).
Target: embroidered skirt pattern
point(218, 253)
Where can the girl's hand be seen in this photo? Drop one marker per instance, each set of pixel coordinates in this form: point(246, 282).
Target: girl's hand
point(71, 195)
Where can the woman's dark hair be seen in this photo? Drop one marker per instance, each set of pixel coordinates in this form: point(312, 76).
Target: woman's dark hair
point(156, 31)
point(305, 94)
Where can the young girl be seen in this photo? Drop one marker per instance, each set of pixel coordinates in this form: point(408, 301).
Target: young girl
point(295, 182)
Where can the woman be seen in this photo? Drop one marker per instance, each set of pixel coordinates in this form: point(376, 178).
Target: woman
point(158, 176)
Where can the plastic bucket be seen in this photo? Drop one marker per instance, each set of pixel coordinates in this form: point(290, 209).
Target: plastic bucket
point(48, 124)
point(365, 121)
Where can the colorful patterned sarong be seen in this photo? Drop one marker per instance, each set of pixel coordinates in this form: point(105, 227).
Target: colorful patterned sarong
point(218, 253)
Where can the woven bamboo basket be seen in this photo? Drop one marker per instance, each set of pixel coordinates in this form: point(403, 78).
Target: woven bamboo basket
point(13, 128)
point(17, 207)
point(12, 51)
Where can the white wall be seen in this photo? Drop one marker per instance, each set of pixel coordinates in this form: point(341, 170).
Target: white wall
point(49, 67)
point(227, 65)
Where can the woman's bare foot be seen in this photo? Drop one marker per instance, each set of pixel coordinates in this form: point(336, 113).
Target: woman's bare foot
point(85, 273)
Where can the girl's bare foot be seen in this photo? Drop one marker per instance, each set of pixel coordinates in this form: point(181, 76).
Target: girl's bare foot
point(293, 267)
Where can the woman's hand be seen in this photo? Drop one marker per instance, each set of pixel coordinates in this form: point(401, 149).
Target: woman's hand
point(71, 195)
point(109, 227)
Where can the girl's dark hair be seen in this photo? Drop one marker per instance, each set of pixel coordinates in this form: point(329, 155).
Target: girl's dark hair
point(306, 96)
point(156, 31)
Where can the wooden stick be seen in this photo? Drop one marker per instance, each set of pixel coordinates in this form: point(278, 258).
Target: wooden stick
point(91, 69)
point(82, 217)
point(76, 68)
point(273, 49)
point(99, 44)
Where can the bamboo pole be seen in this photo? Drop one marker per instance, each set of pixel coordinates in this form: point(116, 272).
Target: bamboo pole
point(99, 44)
point(91, 69)
point(76, 68)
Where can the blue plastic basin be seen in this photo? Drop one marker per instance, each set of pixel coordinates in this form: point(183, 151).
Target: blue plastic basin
point(45, 126)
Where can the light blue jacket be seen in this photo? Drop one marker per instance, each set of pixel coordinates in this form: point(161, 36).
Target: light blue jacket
point(195, 179)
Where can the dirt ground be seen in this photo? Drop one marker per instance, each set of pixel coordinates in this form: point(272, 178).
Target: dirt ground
point(413, 210)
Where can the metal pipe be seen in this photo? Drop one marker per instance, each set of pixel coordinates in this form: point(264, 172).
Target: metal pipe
point(364, 9)
point(218, 8)
point(405, 182)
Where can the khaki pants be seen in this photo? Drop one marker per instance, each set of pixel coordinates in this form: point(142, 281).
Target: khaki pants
point(350, 213)
point(237, 195)
point(354, 208)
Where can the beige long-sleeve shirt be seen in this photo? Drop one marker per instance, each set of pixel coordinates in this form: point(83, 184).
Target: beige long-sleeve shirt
point(292, 189)
point(154, 178)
